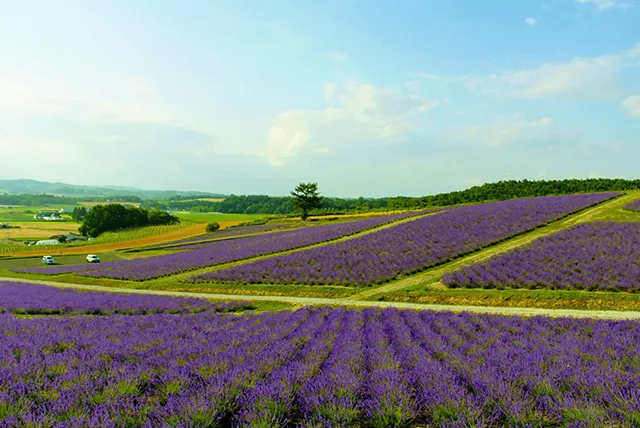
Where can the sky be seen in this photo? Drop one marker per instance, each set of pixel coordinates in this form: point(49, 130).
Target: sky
point(365, 97)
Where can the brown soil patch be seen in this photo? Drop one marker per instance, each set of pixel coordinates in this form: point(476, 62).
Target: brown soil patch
point(230, 223)
point(185, 232)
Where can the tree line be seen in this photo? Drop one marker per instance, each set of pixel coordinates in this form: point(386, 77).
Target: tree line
point(283, 205)
point(104, 218)
point(45, 199)
point(511, 189)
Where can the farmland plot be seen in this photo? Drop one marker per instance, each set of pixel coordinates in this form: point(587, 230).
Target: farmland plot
point(319, 367)
point(20, 298)
point(237, 231)
point(408, 247)
point(591, 256)
point(634, 206)
point(213, 253)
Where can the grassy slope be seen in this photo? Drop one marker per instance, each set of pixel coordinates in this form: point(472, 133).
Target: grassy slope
point(211, 217)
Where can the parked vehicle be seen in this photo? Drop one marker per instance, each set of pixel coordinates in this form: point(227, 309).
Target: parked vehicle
point(92, 258)
point(48, 260)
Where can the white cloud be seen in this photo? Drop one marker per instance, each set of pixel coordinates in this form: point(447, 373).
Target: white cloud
point(593, 77)
point(354, 113)
point(581, 78)
point(503, 130)
point(530, 21)
point(606, 4)
point(133, 104)
point(632, 105)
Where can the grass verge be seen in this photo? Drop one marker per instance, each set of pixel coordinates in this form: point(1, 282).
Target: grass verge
point(547, 299)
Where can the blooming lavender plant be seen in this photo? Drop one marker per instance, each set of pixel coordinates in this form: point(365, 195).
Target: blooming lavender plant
point(23, 298)
point(409, 247)
point(634, 206)
point(593, 256)
point(213, 253)
point(318, 367)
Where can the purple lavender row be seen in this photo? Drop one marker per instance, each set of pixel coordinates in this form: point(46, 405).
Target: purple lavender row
point(408, 247)
point(221, 251)
point(634, 206)
point(246, 230)
point(591, 256)
point(315, 234)
point(25, 298)
point(318, 367)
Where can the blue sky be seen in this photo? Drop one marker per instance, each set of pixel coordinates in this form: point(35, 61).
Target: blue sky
point(371, 98)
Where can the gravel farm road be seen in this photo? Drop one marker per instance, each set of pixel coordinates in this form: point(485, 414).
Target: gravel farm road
point(305, 301)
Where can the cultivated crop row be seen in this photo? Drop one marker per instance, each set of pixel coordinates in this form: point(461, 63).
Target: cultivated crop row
point(634, 206)
point(594, 256)
point(213, 253)
point(319, 367)
point(408, 247)
point(20, 298)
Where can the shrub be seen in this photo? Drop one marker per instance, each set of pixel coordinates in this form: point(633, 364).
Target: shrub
point(212, 227)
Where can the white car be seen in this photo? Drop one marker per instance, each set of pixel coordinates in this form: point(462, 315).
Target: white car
point(92, 258)
point(48, 260)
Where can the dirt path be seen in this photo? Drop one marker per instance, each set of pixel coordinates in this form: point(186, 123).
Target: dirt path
point(315, 301)
point(431, 275)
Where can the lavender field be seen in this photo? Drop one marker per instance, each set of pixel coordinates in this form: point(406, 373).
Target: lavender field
point(22, 298)
point(592, 256)
point(213, 253)
point(409, 247)
point(318, 367)
point(634, 206)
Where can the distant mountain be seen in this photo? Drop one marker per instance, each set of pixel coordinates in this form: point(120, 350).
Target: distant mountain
point(34, 187)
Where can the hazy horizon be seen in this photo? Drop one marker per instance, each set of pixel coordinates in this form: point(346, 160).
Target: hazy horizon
point(367, 98)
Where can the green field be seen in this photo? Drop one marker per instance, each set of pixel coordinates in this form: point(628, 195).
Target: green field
point(219, 217)
point(21, 214)
point(106, 238)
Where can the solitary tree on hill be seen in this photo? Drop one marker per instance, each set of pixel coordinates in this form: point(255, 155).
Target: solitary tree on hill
point(306, 198)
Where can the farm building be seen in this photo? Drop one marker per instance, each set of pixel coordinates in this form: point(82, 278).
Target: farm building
point(69, 237)
point(48, 216)
point(65, 210)
point(48, 242)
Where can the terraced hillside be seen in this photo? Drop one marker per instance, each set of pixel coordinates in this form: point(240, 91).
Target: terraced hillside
point(480, 232)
